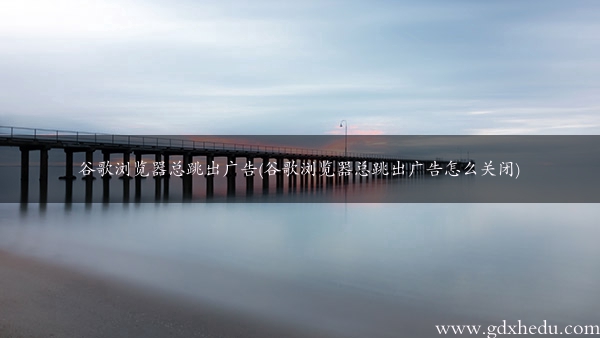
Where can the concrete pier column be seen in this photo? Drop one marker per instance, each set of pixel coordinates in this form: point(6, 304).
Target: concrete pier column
point(295, 175)
point(290, 177)
point(250, 179)
point(336, 172)
point(265, 176)
point(327, 179)
point(89, 184)
point(106, 189)
point(68, 165)
point(166, 177)
point(89, 179)
point(303, 178)
point(158, 159)
point(374, 176)
point(126, 164)
point(231, 174)
point(157, 178)
point(89, 159)
point(106, 179)
point(187, 178)
point(279, 175)
point(308, 175)
point(349, 171)
point(314, 178)
point(68, 191)
point(138, 178)
point(319, 173)
point(210, 179)
point(126, 177)
point(106, 159)
point(167, 165)
point(166, 183)
point(360, 177)
point(313, 173)
point(43, 175)
point(297, 179)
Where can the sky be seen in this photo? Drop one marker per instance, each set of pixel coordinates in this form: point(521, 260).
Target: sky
point(300, 67)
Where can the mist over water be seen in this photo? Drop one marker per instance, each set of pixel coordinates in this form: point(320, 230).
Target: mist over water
point(353, 269)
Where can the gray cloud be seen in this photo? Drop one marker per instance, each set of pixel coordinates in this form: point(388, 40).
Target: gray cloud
point(229, 67)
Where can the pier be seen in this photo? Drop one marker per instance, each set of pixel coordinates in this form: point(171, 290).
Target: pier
point(362, 167)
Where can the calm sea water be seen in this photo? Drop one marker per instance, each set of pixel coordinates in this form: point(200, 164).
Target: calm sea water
point(358, 270)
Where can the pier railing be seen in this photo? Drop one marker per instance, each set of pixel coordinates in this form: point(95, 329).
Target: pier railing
point(86, 138)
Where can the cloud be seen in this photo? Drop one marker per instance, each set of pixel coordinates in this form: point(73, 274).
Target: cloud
point(125, 21)
point(229, 66)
